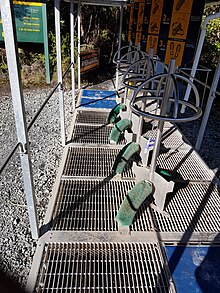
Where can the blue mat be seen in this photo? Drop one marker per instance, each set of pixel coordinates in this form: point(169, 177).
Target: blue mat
point(98, 94)
point(88, 103)
point(195, 268)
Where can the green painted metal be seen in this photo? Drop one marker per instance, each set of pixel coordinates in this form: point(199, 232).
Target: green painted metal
point(31, 26)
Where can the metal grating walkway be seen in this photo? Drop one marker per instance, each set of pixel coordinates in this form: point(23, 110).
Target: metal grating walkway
point(92, 162)
point(82, 249)
point(102, 267)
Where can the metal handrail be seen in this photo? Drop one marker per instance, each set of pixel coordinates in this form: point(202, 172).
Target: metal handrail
point(2, 167)
point(197, 80)
point(9, 157)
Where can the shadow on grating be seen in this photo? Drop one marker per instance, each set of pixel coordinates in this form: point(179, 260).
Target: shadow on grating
point(92, 134)
point(102, 267)
point(92, 162)
point(91, 205)
point(171, 137)
point(185, 164)
point(192, 208)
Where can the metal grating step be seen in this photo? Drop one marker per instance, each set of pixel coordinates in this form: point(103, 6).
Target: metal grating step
point(92, 134)
point(103, 267)
point(89, 117)
point(92, 162)
point(185, 164)
point(195, 207)
point(91, 205)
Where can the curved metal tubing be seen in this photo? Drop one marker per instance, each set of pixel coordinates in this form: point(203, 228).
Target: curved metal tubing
point(138, 77)
point(116, 59)
point(166, 118)
point(129, 58)
point(177, 102)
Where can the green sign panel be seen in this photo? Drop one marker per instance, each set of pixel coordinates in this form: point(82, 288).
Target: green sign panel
point(29, 22)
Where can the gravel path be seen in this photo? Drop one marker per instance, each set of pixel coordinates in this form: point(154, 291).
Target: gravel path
point(16, 246)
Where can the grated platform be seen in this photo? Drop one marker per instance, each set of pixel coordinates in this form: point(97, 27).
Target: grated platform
point(92, 162)
point(89, 117)
point(90, 134)
point(191, 208)
point(103, 267)
point(83, 249)
point(92, 205)
point(185, 165)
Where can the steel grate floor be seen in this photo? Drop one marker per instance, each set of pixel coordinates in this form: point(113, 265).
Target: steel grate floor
point(103, 267)
point(92, 162)
point(91, 117)
point(185, 164)
point(91, 205)
point(171, 137)
point(191, 208)
point(92, 134)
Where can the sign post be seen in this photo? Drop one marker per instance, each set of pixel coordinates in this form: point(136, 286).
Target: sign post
point(31, 26)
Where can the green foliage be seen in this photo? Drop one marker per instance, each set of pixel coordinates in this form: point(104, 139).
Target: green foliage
point(211, 48)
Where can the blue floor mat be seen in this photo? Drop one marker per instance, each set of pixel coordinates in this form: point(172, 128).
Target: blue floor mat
point(98, 94)
point(195, 268)
point(88, 103)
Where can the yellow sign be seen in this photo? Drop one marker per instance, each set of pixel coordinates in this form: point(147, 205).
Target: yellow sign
point(138, 38)
point(140, 17)
point(129, 36)
point(27, 3)
point(131, 18)
point(182, 6)
point(152, 42)
point(174, 50)
point(179, 26)
point(157, 7)
point(154, 27)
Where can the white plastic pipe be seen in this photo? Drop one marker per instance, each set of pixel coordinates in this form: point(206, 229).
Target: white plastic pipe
point(198, 53)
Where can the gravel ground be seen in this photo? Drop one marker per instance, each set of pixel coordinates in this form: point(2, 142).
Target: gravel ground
point(16, 246)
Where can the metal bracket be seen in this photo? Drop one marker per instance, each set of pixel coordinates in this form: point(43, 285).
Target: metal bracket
point(124, 230)
point(23, 148)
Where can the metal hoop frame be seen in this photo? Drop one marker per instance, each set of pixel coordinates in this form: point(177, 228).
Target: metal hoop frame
point(139, 77)
point(135, 99)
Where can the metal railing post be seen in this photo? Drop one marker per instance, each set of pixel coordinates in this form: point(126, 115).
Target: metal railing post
point(8, 22)
point(119, 47)
point(79, 41)
point(59, 70)
point(72, 52)
point(164, 106)
point(198, 53)
point(208, 106)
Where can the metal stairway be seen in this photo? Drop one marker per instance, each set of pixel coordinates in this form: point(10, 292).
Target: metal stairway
point(82, 249)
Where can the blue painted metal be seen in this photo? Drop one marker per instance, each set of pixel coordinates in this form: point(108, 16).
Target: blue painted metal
point(195, 268)
point(98, 94)
point(93, 103)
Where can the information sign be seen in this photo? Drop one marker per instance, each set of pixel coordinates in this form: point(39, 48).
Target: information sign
point(89, 60)
point(28, 21)
point(170, 27)
point(31, 26)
